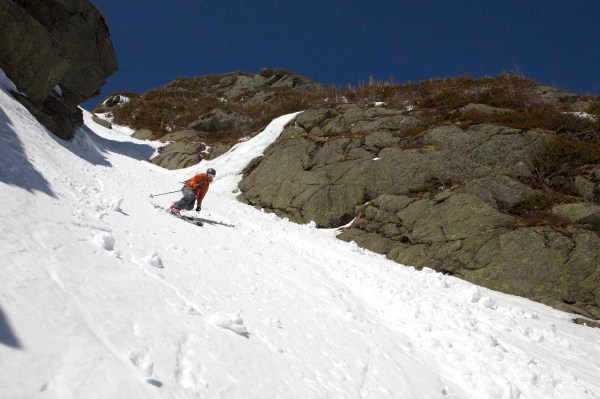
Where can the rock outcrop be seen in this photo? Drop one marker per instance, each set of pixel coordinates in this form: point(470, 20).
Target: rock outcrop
point(217, 119)
point(220, 109)
point(58, 53)
point(441, 198)
point(180, 155)
point(259, 87)
point(334, 159)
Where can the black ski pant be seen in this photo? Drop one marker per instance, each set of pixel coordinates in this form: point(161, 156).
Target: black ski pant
point(187, 202)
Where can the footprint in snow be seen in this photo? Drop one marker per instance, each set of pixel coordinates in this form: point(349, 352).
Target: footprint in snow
point(230, 322)
point(105, 240)
point(153, 260)
point(115, 204)
point(143, 361)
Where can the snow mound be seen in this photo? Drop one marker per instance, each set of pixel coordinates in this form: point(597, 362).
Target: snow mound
point(229, 322)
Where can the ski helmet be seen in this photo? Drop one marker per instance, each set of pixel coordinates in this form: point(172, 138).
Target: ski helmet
point(211, 171)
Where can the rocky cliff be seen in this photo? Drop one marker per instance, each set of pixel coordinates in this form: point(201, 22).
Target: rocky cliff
point(58, 53)
point(491, 203)
point(202, 117)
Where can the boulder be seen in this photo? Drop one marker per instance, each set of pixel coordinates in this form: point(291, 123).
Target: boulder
point(179, 155)
point(58, 53)
point(102, 122)
point(281, 78)
point(184, 135)
point(552, 95)
point(585, 188)
point(218, 119)
point(585, 214)
point(483, 108)
point(144, 134)
point(378, 140)
point(500, 192)
point(217, 150)
point(489, 149)
point(29, 55)
point(262, 98)
point(237, 84)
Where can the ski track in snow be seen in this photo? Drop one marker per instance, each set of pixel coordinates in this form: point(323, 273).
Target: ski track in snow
point(111, 297)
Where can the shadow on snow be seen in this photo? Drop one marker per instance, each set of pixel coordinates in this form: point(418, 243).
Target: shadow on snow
point(92, 148)
point(213, 222)
point(17, 170)
point(7, 337)
point(15, 167)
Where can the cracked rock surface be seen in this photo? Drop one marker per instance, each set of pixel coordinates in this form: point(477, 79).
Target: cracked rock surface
point(437, 199)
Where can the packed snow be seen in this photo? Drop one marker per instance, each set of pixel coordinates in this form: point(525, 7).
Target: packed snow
point(103, 295)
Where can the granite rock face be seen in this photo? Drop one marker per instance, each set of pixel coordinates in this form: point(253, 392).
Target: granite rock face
point(220, 109)
point(259, 87)
point(439, 199)
point(58, 53)
point(332, 160)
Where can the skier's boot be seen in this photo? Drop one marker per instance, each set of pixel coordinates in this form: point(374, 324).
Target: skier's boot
point(174, 210)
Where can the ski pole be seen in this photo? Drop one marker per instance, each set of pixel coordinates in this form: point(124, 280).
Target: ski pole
point(170, 192)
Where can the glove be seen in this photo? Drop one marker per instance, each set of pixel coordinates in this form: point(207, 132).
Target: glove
point(198, 208)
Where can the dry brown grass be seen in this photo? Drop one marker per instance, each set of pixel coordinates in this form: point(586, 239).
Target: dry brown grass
point(577, 144)
point(448, 94)
point(542, 218)
point(547, 117)
point(180, 103)
point(439, 100)
point(594, 108)
point(538, 202)
point(569, 155)
point(435, 101)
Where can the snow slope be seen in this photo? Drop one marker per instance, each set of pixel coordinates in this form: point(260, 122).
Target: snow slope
point(102, 295)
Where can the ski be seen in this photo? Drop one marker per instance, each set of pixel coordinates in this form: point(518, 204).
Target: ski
point(189, 219)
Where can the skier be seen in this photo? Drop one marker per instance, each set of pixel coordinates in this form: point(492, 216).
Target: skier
point(194, 189)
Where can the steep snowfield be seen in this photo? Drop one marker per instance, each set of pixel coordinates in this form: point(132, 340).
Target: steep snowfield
point(102, 295)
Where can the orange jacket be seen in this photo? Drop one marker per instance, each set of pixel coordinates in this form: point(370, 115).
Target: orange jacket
point(199, 180)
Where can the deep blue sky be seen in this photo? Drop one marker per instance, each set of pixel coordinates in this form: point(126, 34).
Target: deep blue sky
point(345, 42)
